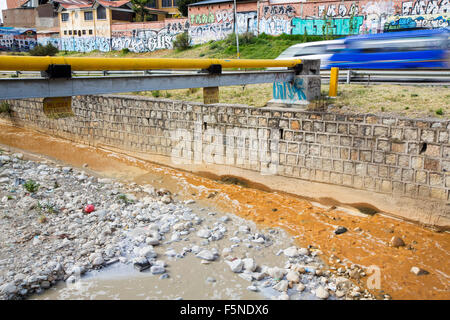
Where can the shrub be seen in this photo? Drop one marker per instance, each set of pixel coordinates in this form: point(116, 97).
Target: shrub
point(247, 38)
point(5, 107)
point(125, 51)
point(440, 111)
point(182, 41)
point(156, 93)
point(31, 186)
point(47, 50)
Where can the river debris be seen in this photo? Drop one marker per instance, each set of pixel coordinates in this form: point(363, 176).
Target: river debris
point(124, 224)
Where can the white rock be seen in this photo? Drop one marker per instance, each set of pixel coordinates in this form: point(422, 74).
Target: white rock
point(291, 252)
point(281, 286)
point(244, 229)
point(203, 233)
point(148, 252)
point(322, 293)
point(283, 296)
point(418, 271)
point(300, 287)
point(249, 264)
point(253, 288)
point(98, 261)
point(166, 199)
point(151, 241)
point(206, 255)
point(8, 288)
point(236, 265)
point(276, 272)
point(180, 226)
point(303, 251)
point(157, 269)
point(171, 253)
point(293, 276)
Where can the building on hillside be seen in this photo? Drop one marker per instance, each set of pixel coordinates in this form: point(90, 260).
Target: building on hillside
point(169, 7)
point(39, 14)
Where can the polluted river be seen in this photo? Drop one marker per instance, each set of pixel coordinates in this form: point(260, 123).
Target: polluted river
point(82, 222)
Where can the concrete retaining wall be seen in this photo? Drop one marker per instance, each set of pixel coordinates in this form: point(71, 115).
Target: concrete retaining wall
point(400, 165)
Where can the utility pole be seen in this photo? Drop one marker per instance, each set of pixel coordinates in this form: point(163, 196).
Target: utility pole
point(236, 30)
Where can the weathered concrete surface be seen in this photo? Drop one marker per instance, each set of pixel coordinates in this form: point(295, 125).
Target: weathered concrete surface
point(396, 164)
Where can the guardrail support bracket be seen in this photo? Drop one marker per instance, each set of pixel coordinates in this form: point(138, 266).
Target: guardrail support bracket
point(57, 71)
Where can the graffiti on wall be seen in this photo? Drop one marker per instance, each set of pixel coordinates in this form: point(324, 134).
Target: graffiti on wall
point(276, 20)
point(335, 26)
point(148, 40)
point(411, 22)
point(17, 39)
point(56, 42)
point(421, 7)
point(247, 22)
point(430, 14)
point(223, 26)
point(212, 17)
point(375, 15)
point(207, 32)
point(341, 10)
point(85, 44)
point(289, 92)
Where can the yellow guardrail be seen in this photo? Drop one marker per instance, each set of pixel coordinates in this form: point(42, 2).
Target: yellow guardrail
point(19, 63)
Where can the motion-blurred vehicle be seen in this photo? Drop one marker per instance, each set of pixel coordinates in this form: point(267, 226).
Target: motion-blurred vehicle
point(322, 50)
point(394, 50)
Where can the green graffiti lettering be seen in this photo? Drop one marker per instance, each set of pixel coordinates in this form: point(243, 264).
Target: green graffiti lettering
point(338, 26)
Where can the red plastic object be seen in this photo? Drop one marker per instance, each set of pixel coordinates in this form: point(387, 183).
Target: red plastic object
point(89, 208)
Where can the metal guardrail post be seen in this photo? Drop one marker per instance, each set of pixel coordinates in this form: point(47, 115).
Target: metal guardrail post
point(349, 75)
point(334, 77)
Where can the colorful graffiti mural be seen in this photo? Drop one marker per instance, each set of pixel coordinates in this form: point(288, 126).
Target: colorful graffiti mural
point(17, 39)
point(337, 26)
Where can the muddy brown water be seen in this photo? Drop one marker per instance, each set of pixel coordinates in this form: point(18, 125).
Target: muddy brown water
point(310, 223)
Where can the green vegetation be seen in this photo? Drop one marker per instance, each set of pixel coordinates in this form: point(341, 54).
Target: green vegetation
point(47, 208)
point(47, 50)
point(5, 107)
point(182, 41)
point(138, 6)
point(156, 93)
point(183, 6)
point(123, 198)
point(262, 46)
point(31, 186)
point(440, 112)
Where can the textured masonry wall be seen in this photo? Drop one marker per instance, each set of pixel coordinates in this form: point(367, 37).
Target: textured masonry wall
point(389, 155)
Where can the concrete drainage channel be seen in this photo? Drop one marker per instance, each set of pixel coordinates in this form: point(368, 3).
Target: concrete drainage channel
point(187, 251)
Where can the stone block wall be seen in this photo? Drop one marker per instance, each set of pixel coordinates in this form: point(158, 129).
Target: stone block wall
point(389, 155)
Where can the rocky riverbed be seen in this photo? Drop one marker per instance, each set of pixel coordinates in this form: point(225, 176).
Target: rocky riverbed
point(60, 224)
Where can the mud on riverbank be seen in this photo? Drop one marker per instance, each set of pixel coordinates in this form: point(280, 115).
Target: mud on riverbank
point(366, 242)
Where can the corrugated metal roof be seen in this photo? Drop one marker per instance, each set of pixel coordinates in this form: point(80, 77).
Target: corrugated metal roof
point(201, 3)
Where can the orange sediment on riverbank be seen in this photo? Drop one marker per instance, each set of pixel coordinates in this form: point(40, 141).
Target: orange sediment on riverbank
point(365, 243)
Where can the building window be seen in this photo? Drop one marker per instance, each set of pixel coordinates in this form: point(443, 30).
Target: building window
point(151, 4)
point(65, 32)
point(88, 16)
point(90, 31)
point(64, 17)
point(70, 32)
point(166, 3)
point(101, 13)
point(84, 31)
